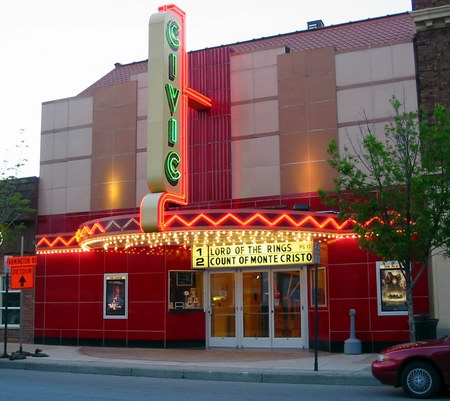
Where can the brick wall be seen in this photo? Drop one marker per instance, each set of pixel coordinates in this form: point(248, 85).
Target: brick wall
point(433, 60)
point(432, 55)
point(27, 319)
point(421, 4)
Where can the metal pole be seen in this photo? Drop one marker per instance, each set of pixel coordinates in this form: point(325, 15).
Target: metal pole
point(316, 314)
point(20, 311)
point(5, 299)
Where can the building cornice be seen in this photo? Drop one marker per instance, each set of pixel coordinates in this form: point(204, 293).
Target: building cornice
point(431, 18)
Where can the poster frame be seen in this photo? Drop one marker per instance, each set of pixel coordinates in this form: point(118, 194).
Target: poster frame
point(110, 281)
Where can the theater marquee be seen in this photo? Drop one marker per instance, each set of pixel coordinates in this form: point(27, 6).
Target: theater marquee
point(286, 253)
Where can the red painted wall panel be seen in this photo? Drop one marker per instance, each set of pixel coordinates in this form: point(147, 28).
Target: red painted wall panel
point(92, 263)
point(346, 251)
point(146, 316)
point(61, 265)
point(38, 315)
point(115, 263)
point(70, 306)
point(324, 324)
point(147, 287)
point(91, 334)
point(210, 132)
point(156, 336)
point(62, 289)
point(61, 316)
point(89, 313)
point(352, 279)
point(39, 282)
point(340, 318)
point(91, 288)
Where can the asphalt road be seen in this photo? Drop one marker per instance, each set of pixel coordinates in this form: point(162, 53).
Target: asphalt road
point(22, 385)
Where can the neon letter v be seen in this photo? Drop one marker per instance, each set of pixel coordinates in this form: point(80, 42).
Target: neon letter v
point(173, 94)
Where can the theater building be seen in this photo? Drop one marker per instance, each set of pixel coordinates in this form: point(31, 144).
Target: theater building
point(178, 196)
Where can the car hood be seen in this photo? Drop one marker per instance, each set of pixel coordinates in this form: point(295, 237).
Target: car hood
point(417, 344)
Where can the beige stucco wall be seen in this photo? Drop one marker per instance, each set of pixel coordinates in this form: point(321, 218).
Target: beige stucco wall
point(440, 279)
point(254, 124)
point(283, 115)
point(366, 80)
point(66, 150)
point(289, 106)
point(113, 177)
point(308, 120)
point(88, 151)
point(141, 137)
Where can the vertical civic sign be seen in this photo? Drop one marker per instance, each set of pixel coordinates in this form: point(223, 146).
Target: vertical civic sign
point(167, 115)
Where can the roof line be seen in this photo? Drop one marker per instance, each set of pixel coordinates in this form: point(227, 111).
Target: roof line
point(301, 31)
point(118, 65)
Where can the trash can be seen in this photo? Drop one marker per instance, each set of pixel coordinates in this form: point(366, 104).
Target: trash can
point(425, 327)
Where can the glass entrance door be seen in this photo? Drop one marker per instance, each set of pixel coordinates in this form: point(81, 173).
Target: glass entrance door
point(222, 309)
point(260, 308)
point(287, 304)
point(255, 309)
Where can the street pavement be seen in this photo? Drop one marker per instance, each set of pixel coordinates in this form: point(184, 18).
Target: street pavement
point(225, 364)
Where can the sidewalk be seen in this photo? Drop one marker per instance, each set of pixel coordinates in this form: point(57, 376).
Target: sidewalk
point(250, 365)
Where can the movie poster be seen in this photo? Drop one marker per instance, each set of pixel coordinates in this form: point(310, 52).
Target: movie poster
point(115, 296)
point(391, 289)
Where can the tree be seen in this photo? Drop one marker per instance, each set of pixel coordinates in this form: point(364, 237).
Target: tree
point(14, 204)
point(396, 188)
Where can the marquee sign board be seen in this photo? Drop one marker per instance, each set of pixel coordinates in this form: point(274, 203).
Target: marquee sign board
point(284, 253)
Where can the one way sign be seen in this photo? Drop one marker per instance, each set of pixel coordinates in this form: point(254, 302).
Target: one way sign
point(22, 277)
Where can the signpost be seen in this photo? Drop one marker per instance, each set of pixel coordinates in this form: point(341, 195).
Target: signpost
point(316, 302)
point(19, 276)
point(5, 333)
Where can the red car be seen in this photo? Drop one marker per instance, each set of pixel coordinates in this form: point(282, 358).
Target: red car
point(421, 368)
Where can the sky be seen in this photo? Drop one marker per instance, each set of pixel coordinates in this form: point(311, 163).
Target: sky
point(54, 49)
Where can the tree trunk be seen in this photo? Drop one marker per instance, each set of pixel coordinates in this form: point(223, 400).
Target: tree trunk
point(409, 301)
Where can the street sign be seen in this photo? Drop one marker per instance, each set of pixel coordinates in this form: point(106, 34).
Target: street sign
point(22, 271)
point(316, 253)
point(21, 261)
point(22, 277)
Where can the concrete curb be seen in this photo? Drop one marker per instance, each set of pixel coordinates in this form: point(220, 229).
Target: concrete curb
point(363, 378)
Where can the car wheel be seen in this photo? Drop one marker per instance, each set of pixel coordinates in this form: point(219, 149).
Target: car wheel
point(420, 380)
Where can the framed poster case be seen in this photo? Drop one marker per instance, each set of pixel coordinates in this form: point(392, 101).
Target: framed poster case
point(391, 289)
point(115, 296)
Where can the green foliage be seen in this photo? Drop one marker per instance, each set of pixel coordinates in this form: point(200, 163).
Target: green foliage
point(14, 207)
point(397, 187)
